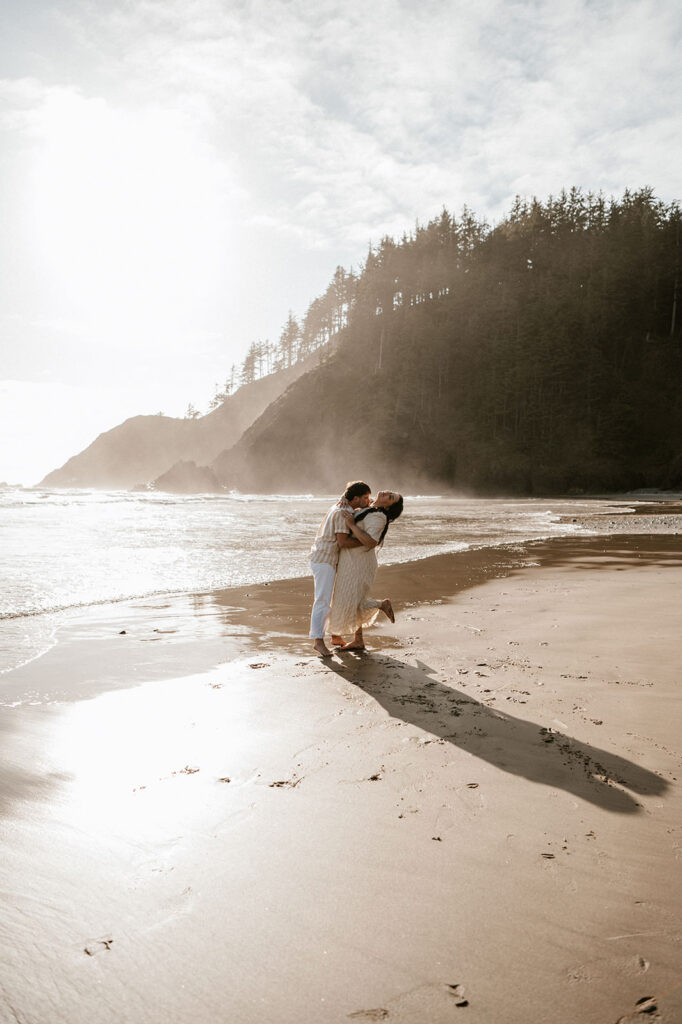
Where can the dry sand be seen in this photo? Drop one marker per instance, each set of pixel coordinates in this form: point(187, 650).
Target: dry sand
point(479, 820)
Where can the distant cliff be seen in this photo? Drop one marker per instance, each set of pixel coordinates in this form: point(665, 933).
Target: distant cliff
point(144, 448)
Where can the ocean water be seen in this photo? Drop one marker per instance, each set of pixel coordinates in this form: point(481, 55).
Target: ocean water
point(66, 550)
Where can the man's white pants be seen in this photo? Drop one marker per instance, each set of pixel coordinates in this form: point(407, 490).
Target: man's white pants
point(324, 576)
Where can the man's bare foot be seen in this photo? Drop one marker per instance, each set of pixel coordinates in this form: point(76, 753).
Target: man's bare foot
point(322, 649)
point(387, 609)
point(337, 640)
point(353, 645)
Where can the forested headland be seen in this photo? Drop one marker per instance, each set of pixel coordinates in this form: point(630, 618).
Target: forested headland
point(541, 355)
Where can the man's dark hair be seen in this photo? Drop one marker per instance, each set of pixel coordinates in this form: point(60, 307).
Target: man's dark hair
point(356, 489)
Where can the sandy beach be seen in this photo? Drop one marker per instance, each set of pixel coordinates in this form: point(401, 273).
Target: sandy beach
point(479, 819)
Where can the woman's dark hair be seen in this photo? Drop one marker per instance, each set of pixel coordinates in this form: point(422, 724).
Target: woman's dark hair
point(356, 489)
point(391, 513)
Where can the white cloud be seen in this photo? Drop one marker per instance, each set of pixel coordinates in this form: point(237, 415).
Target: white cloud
point(382, 112)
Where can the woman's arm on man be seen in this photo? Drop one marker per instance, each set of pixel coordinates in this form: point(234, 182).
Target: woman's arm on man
point(361, 536)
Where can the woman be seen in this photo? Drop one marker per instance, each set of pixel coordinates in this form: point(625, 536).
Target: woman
point(351, 607)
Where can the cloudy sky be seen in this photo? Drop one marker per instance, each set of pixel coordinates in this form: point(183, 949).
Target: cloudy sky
point(176, 175)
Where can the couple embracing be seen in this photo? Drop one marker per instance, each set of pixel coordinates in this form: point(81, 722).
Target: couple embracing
point(344, 563)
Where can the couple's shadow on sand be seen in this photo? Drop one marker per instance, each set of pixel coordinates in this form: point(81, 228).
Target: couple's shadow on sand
point(513, 744)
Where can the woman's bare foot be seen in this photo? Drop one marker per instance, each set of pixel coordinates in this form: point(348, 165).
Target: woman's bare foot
point(337, 640)
point(387, 609)
point(322, 649)
point(357, 643)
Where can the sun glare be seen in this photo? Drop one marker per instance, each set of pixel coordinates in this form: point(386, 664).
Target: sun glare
point(125, 210)
point(129, 770)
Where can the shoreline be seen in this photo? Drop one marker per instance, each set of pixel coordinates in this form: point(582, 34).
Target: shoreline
point(481, 816)
point(191, 633)
point(433, 579)
point(655, 514)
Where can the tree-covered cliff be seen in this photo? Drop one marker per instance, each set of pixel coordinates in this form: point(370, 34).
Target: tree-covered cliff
point(541, 355)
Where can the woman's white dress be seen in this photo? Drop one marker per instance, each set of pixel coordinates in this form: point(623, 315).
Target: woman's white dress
point(351, 607)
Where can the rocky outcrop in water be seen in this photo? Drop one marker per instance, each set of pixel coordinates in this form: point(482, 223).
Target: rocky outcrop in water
point(186, 478)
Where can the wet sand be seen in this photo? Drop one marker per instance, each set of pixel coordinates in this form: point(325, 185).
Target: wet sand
point(479, 819)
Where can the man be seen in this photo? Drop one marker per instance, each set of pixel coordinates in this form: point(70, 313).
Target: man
point(332, 535)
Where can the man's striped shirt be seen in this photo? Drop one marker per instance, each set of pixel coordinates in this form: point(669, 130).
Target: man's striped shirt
point(325, 546)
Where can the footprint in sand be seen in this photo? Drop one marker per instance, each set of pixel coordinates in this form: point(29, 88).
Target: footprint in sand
point(96, 946)
point(378, 1014)
point(647, 1004)
point(458, 992)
